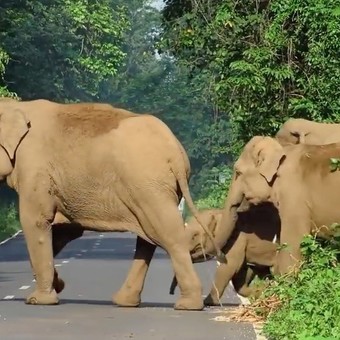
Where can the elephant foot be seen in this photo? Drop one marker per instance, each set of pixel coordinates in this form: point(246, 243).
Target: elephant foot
point(211, 301)
point(42, 298)
point(58, 285)
point(124, 299)
point(189, 303)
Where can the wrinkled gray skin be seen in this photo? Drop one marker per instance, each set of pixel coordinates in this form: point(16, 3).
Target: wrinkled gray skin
point(303, 131)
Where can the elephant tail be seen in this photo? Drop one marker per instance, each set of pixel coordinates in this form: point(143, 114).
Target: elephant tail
point(183, 184)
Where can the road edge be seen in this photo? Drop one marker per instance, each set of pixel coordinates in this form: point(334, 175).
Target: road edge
point(11, 237)
point(257, 329)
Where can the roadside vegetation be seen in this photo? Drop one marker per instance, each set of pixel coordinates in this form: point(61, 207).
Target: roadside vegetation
point(9, 222)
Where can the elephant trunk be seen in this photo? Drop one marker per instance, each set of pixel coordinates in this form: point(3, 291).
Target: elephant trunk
point(225, 225)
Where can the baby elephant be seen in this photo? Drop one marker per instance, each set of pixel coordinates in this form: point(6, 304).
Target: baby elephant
point(250, 250)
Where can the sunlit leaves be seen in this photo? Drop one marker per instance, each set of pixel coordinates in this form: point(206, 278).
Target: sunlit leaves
point(266, 60)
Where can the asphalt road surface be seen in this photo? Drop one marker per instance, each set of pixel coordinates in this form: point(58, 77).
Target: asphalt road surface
point(94, 267)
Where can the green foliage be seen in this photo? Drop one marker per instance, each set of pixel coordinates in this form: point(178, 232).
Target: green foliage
point(9, 221)
point(61, 49)
point(309, 306)
point(215, 189)
point(334, 164)
point(265, 60)
point(4, 59)
point(152, 83)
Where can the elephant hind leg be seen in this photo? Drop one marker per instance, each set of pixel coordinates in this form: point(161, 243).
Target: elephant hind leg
point(129, 295)
point(166, 225)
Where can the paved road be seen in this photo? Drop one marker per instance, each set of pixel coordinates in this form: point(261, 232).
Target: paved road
point(93, 268)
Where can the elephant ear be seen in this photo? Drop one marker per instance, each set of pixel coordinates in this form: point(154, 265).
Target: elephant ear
point(13, 127)
point(269, 166)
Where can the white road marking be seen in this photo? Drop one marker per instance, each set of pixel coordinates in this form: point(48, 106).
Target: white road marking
point(24, 287)
point(8, 297)
point(84, 250)
point(101, 235)
point(97, 244)
point(79, 254)
point(58, 265)
point(13, 236)
point(65, 261)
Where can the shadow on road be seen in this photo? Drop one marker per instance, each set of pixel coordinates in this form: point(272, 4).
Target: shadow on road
point(109, 303)
point(111, 248)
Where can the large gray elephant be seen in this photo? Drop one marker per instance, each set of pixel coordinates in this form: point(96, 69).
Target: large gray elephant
point(89, 166)
point(298, 130)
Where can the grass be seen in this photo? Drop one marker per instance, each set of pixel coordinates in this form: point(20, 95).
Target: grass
point(9, 221)
point(303, 305)
point(309, 300)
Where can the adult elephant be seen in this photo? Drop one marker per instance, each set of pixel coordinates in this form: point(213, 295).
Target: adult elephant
point(98, 168)
point(300, 183)
point(296, 131)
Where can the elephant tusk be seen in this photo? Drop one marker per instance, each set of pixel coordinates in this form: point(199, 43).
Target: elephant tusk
point(173, 285)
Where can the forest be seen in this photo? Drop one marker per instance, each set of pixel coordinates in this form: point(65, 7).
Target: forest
point(216, 71)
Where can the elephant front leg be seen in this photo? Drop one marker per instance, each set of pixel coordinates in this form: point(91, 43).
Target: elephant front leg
point(129, 294)
point(37, 231)
point(242, 280)
point(226, 271)
point(289, 256)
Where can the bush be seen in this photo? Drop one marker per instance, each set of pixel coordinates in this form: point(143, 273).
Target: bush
point(307, 304)
point(9, 221)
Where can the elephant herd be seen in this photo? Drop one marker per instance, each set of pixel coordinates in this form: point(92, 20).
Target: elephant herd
point(282, 189)
point(90, 166)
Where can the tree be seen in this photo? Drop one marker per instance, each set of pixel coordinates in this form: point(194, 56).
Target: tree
point(265, 60)
point(154, 83)
point(61, 49)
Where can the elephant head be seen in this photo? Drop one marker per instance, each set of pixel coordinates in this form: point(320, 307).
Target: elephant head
point(197, 238)
point(258, 177)
point(303, 131)
point(294, 131)
point(13, 127)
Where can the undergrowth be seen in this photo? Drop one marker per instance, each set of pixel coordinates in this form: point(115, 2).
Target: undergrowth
point(9, 221)
point(305, 305)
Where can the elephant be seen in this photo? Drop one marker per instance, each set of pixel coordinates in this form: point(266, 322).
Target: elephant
point(299, 182)
point(249, 251)
point(295, 131)
point(90, 166)
point(222, 230)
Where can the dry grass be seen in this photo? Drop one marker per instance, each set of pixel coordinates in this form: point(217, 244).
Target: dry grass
point(255, 313)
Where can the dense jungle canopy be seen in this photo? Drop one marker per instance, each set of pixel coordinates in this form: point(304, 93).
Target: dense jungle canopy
point(217, 72)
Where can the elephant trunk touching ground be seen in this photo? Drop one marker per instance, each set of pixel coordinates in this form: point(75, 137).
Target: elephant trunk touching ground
point(223, 228)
